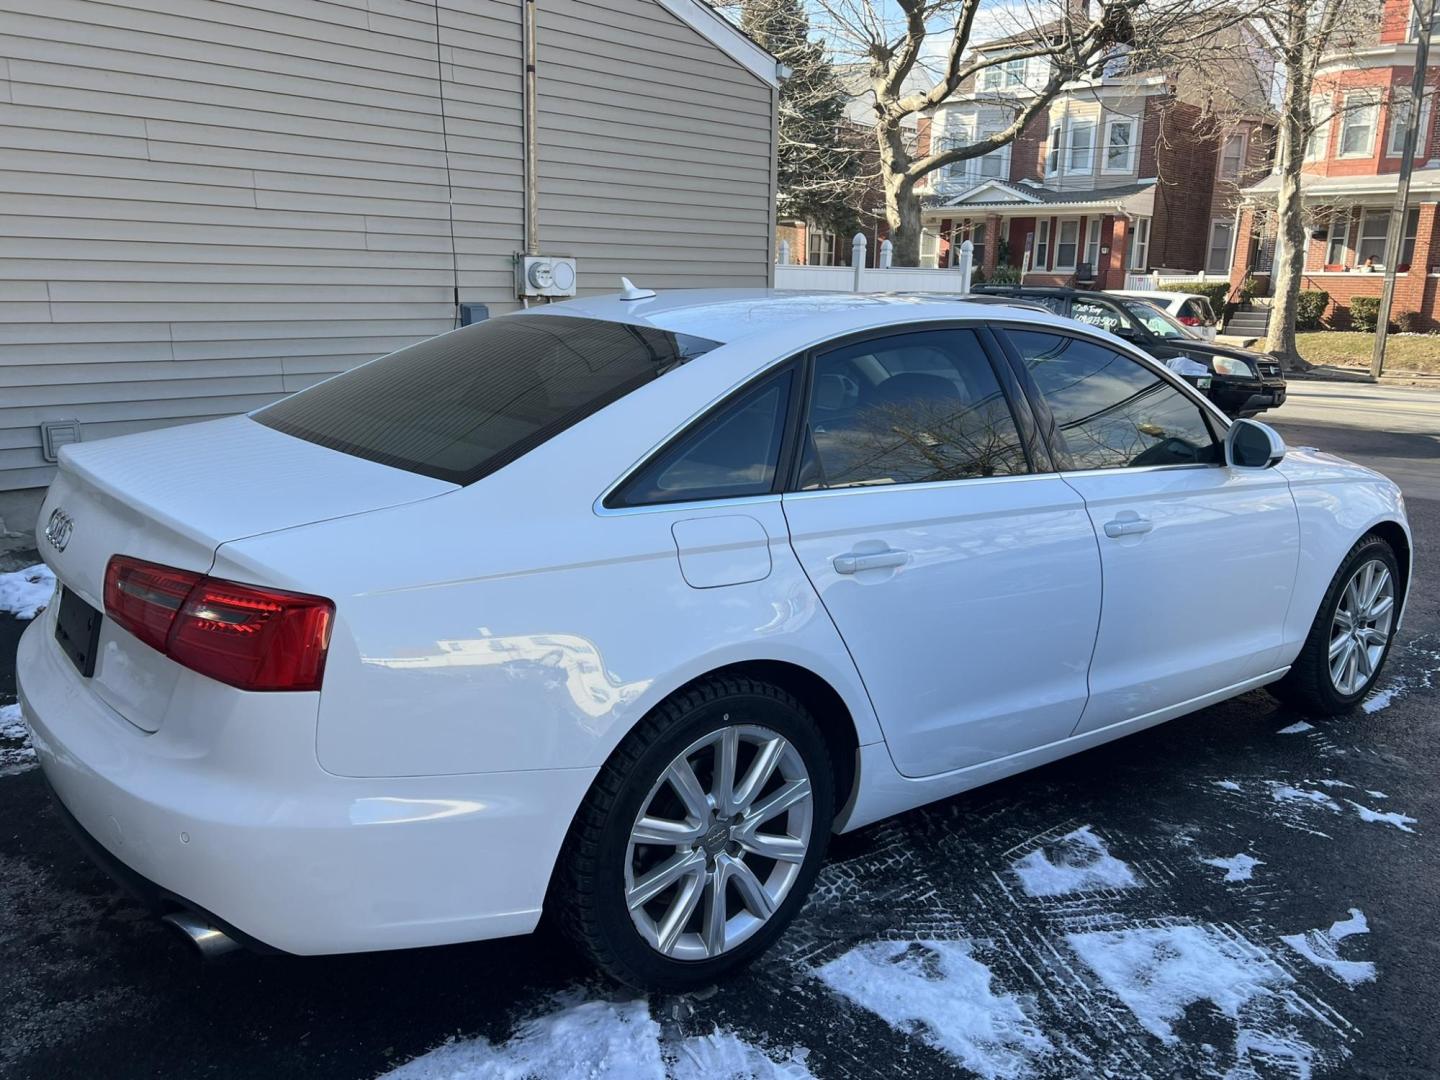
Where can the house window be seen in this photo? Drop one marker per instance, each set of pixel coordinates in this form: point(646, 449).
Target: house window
point(1357, 129)
point(1092, 243)
point(1371, 244)
point(1319, 141)
point(820, 245)
point(1015, 72)
point(1067, 243)
point(929, 246)
point(994, 163)
point(1052, 159)
point(1337, 239)
point(1415, 22)
point(1222, 234)
point(1138, 248)
point(1407, 242)
point(1232, 157)
point(964, 136)
point(1082, 147)
point(1400, 120)
point(977, 241)
point(1041, 261)
point(1119, 146)
point(990, 79)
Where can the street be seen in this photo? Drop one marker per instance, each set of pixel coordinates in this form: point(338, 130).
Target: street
point(1241, 893)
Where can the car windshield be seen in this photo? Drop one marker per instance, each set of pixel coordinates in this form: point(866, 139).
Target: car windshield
point(459, 406)
point(1156, 321)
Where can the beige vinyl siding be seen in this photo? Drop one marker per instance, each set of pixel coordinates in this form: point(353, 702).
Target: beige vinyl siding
point(205, 205)
point(655, 150)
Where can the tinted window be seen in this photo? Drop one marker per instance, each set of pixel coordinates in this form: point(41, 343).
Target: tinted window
point(734, 451)
point(1156, 321)
point(908, 409)
point(1112, 411)
point(1197, 308)
point(461, 405)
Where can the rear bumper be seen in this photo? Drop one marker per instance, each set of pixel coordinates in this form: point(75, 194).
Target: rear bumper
point(290, 857)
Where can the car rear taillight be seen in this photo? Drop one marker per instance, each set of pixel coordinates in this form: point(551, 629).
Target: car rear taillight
point(1188, 320)
point(249, 637)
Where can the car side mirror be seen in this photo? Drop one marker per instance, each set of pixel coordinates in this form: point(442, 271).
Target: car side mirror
point(1252, 445)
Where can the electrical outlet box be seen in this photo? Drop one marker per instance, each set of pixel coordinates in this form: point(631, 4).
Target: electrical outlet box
point(544, 275)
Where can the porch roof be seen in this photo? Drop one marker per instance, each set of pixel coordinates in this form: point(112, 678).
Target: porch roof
point(1012, 200)
point(1424, 183)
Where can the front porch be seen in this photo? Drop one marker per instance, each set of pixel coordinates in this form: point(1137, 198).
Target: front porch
point(1086, 239)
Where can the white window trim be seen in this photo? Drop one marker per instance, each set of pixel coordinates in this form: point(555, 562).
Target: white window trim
point(1060, 231)
point(1240, 165)
point(1136, 247)
point(1228, 223)
point(1055, 149)
point(1394, 146)
point(1092, 242)
point(1321, 134)
point(1342, 219)
point(1414, 31)
point(1070, 169)
point(1364, 99)
point(1129, 165)
point(1042, 227)
point(1362, 235)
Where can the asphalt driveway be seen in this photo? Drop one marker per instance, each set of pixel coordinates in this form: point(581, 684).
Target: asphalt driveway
point(1242, 893)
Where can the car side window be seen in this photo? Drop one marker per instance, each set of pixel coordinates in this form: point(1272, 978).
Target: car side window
point(735, 451)
point(908, 409)
point(1097, 313)
point(1112, 411)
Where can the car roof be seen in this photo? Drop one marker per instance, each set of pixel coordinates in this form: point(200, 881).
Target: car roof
point(1165, 294)
point(727, 315)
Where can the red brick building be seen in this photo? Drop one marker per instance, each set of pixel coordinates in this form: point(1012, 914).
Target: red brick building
point(1361, 104)
point(1126, 171)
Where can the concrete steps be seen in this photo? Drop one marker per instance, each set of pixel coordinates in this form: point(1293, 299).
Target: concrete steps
point(1247, 321)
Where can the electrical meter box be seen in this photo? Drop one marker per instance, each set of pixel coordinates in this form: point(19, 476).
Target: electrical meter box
point(544, 275)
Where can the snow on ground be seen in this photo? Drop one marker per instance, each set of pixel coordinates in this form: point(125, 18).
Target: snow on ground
point(937, 991)
point(1381, 699)
point(1077, 862)
point(12, 729)
point(1158, 971)
point(1236, 867)
point(1322, 948)
point(1389, 817)
point(599, 1040)
point(24, 592)
point(1296, 728)
point(1228, 785)
point(1286, 793)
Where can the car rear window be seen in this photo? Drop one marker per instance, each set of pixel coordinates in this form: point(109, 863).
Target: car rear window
point(459, 406)
point(1197, 307)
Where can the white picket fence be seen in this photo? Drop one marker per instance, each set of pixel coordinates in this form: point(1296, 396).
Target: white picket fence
point(858, 277)
point(1153, 280)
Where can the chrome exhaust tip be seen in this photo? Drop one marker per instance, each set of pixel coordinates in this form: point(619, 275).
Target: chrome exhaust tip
point(208, 941)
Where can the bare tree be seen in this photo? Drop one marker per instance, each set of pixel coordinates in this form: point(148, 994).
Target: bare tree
point(1302, 33)
point(899, 54)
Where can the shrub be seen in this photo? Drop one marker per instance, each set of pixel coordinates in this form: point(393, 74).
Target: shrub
point(1217, 292)
point(1005, 275)
point(1248, 288)
point(1309, 308)
point(1408, 322)
point(1364, 313)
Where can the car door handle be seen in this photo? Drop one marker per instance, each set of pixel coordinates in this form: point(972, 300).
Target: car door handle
point(876, 560)
point(1131, 526)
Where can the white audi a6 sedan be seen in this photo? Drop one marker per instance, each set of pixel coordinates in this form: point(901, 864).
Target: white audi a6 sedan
point(618, 607)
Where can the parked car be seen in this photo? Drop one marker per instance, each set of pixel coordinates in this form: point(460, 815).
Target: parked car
point(617, 608)
point(1190, 310)
point(1242, 383)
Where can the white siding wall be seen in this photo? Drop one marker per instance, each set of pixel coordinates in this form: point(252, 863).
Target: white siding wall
point(205, 205)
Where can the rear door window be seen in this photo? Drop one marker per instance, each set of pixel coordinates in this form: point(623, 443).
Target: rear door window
point(1099, 313)
point(462, 405)
point(1197, 308)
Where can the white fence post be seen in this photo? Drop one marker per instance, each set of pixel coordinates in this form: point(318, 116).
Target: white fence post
point(784, 259)
point(857, 259)
point(967, 265)
point(887, 253)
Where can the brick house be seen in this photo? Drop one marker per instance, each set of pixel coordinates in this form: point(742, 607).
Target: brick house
point(1126, 171)
point(1361, 105)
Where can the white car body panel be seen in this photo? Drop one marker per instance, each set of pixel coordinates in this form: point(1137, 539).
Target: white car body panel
point(1171, 303)
point(494, 643)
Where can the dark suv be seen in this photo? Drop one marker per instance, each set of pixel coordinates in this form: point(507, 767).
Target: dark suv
point(1241, 382)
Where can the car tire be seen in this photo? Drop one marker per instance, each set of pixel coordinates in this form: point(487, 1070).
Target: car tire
point(1312, 683)
point(605, 872)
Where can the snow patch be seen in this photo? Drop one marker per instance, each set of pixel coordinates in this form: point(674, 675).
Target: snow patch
point(1285, 793)
point(1334, 783)
point(1077, 862)
point(599, 1040)
point(1296, 728)
point(938, 992)
point(24, 592)
point(1236, 867)
point(1388, 817)
point(13, 730)
point(1376, 794)
point(1228, 785)
point(1322, 948)
point(1382, 699)
point(1160, 971)
point(1268, 1054)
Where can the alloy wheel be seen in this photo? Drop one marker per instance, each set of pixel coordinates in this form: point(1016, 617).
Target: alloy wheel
point(718, 842)
point(1361, 627)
